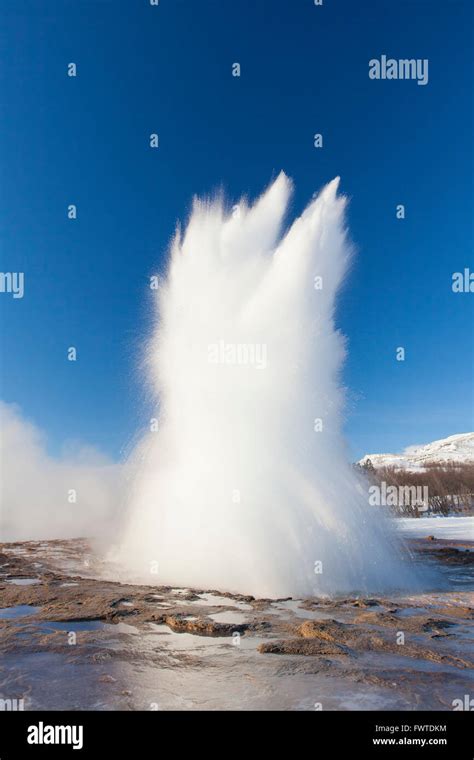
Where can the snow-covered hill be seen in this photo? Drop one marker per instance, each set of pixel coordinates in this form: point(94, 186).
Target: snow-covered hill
point(455, 448)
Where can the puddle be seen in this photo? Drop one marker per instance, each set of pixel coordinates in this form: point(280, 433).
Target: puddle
point(410, 612)
point(24, 581)
point(53, 682)
point(213, 600)
point(187, 641)
point(229, 616)
point(467, 579)
point(21, 610)
point(73, 625)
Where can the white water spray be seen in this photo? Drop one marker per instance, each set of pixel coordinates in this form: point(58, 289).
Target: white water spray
point(245, 486)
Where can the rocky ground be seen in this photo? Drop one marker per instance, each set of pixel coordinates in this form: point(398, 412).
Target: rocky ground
point(70, 640)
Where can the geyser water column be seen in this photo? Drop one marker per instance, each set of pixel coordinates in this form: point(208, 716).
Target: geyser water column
point(245, 485)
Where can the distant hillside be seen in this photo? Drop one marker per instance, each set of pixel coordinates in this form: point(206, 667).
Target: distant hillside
point(458, 449)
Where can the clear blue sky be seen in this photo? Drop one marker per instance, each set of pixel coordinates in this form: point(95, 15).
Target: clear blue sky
point(167, 69)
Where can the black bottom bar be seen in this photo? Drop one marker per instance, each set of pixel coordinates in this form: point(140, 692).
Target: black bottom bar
point(137, 734)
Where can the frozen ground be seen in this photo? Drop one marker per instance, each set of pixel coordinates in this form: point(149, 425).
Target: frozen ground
point(458, 528)
point(71, 639)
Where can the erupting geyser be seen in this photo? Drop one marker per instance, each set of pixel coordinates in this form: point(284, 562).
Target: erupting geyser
point(245, 485)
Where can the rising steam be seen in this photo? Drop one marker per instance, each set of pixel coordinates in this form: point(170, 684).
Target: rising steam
point(43, 497)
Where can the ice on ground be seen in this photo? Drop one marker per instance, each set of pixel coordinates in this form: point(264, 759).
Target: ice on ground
point(458, 528)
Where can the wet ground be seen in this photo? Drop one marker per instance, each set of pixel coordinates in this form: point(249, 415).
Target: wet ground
point(71, 641)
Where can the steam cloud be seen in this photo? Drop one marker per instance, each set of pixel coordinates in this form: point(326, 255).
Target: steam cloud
point(35, 486)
